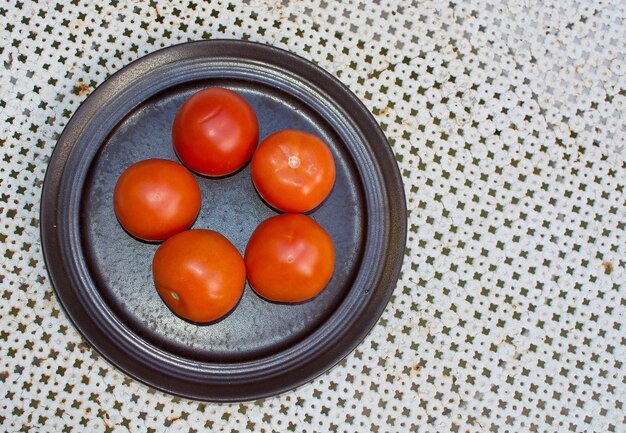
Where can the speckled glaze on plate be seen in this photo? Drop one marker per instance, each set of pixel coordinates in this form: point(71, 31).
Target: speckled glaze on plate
point(102, 276)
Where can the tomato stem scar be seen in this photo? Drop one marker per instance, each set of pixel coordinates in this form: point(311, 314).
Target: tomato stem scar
point(294, 161)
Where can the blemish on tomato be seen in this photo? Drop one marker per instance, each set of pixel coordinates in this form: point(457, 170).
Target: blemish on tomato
point(211, 114)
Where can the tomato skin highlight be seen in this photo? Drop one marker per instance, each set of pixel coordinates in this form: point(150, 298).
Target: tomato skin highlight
point(156, 198)
point(215, 132)
point(199, 274)
point(293, 170)
point(289, 258)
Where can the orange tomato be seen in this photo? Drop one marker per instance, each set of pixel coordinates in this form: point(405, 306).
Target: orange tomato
point(215, 132)
point(293, 170)
point(289, 258)
point(199, 274)
point(155, 199)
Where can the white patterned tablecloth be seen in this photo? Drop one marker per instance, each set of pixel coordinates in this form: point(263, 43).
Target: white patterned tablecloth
point(508, 120)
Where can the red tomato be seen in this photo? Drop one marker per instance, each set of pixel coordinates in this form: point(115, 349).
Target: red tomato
point(155, 199)
point(289, 258)
point(293, 170)
point(215, 132)
point(199, 274)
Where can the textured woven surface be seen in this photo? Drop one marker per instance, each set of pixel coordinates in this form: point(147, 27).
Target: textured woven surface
point(508, 122)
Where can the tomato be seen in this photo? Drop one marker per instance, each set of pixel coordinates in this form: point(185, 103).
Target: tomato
point(289, 258)
point(199, 274)
point(155, 199)
point(293, 171)
point(215, 132)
